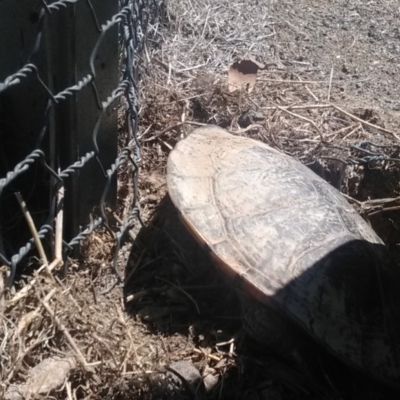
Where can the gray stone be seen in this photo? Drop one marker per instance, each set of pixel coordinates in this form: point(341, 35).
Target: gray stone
point(45, 377)
point(186, 380)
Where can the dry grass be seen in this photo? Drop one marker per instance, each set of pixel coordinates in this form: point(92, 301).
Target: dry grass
point(172, 313)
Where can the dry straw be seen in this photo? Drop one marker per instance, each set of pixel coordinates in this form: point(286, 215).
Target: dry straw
point(185, 86)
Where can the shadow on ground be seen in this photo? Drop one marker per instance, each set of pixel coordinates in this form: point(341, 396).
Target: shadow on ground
point(173, 286)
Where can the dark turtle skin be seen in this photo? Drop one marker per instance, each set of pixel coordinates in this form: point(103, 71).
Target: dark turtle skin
point(293, 242)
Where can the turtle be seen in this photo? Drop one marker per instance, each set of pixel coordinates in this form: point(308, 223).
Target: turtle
point(293, 244)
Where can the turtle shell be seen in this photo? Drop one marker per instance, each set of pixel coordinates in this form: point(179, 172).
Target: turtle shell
point(291, 240)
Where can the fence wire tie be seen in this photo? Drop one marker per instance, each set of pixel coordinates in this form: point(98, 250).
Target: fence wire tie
point(23, 251)
point(46, 10)
point(121, 159)
point(76, 166)
point(104, 28)
point(78, 239)
point(24, 166)
point(23, 73)
point(94, 16)
point(70, 91)
point(114, 95)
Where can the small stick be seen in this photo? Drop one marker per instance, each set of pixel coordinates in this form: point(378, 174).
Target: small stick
point(365, 122)
point(135, 267)
point(67, 335)
point(150, 291)
point(353, 131)
point(330, 85)
point(312, 94)
point(251, 126)
point(302, 118)
point(59, 223)
point(169, 74)
point(168, 146)
point(119, 220)
point(215, 358)
point(145, 132)
point(303, 107)
point(291, 81)
point(384, 210)
point(352, 200)
point(27, 319)
point(183, 99)
point(225, 343)
point(105, 344)
point(191, 68)
point(203, 32)
point(69, 390)
point(184, 292)
point(32, 228)
point(173, 127)
point(25, 290)
point(342, 130)
point(3, 272)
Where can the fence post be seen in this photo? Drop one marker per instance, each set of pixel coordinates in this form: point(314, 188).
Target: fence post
point(76, 39)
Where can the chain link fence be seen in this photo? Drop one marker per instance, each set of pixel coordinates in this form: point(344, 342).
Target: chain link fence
point(68, 76)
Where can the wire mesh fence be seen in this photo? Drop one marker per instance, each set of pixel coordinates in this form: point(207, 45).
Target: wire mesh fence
point(69, 73)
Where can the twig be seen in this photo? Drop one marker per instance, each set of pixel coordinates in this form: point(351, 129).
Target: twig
point(67, 335)
point(25, 290)
point(365, 122)
point(215, 358)
point(336, 133)
point(353, 131)
point(312, 94)
point(191, 68)
point(202, 33)
point(302, 118)
point(156, 136)
point(19, 332)
point(302, 107)
point(3, 273)
point(291, 81)
point(119, 220)
point(136, 266)
point(330, 85)
point(169, 74)
point(252, 126)
point(364, 205)
point(147, 292)
point(105, 344)
point(146, 130)
point(220, 344)
point(69, 390)
point(28, 318)
point(32, 228)
point(168, 146)
point(184, 292)
point(59, 223)
point(384, 210)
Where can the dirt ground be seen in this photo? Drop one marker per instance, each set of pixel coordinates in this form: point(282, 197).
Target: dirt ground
point(328, 95)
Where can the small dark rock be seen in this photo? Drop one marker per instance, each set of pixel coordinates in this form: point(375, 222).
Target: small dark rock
point(250, 117)
point(185, 381)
